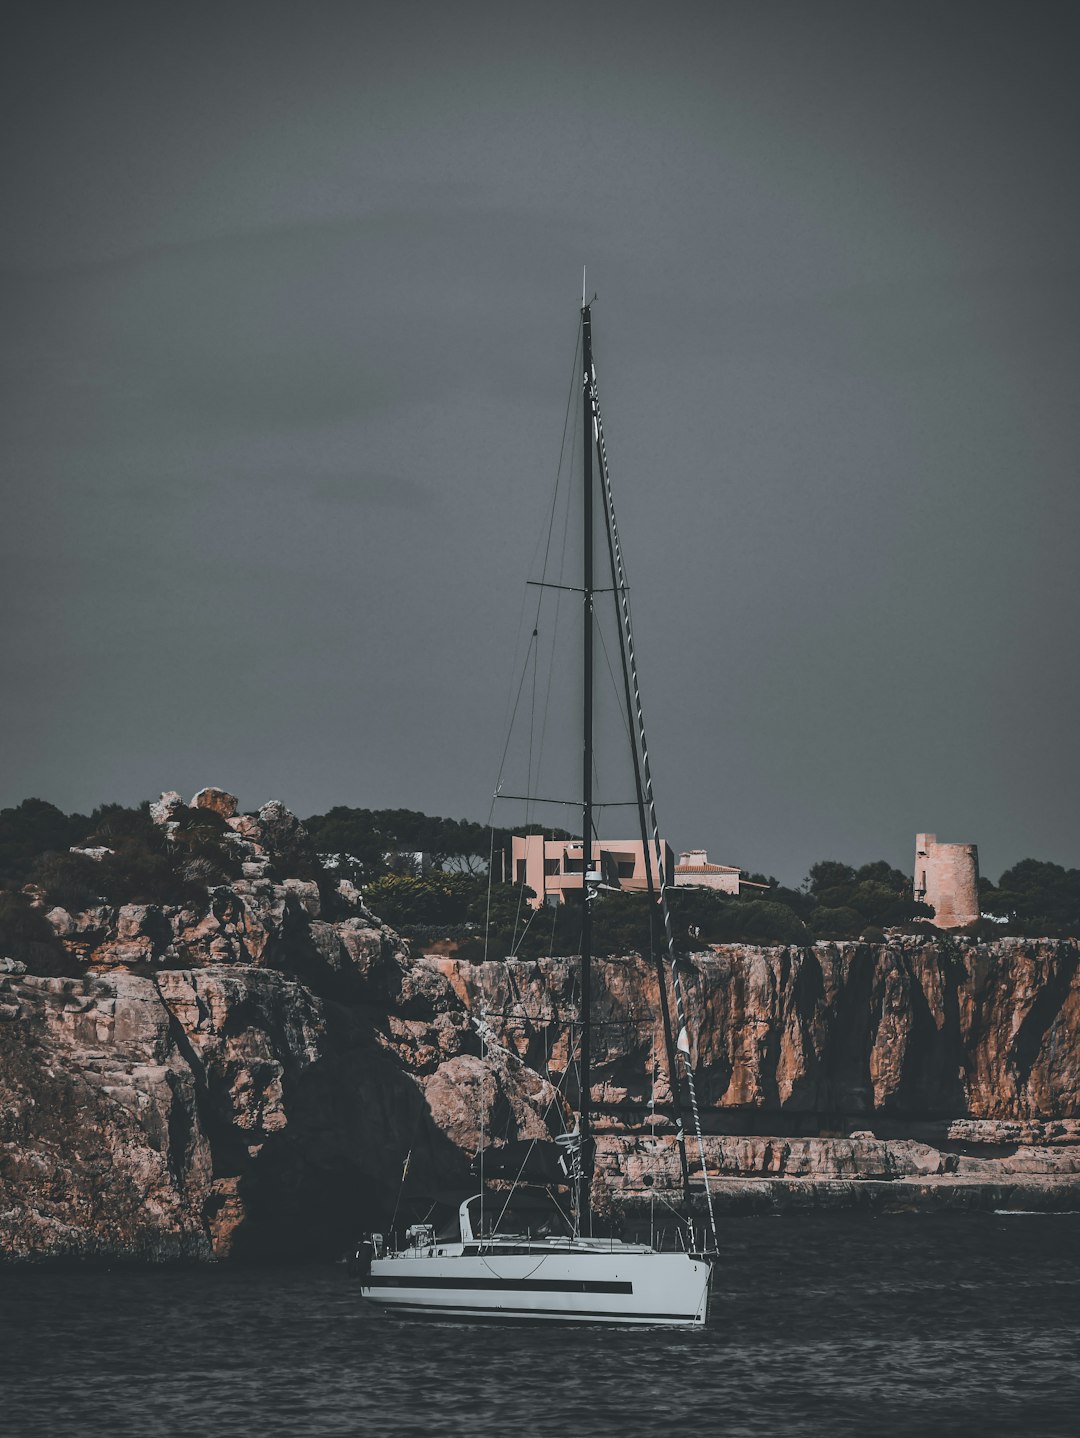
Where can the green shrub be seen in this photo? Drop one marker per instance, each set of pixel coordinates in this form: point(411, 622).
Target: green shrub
point(70, 881)
point(403, 899)
point(841, 923)
point(31, 829)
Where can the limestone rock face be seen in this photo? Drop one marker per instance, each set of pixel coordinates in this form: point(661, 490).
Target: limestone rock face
point(471, 1099)
point(985, 1030)
point(249, 922)
point(242, 1077)
point(103, 1152)
point(250, 1074)
point(230, 1110)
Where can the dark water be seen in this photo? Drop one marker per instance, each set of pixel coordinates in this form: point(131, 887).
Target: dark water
point(822, 1325)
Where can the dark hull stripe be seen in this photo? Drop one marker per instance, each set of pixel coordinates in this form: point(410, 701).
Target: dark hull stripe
point(503, 1285)
point(537, 1314)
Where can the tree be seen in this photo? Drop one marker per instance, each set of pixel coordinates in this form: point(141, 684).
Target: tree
point(374, 836)
point(879, 872)
point(1038, 897)
point(829, 874)
point(70, 881)
point(405, 899)
point(842, 923)
point(32, 828)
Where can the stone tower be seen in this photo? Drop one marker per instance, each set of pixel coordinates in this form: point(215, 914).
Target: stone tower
point(947, 877)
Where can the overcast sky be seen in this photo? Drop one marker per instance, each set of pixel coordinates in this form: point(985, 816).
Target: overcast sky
point(290, 294)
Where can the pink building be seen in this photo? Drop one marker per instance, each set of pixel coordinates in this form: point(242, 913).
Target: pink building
point(947, 878)
point(552, 868)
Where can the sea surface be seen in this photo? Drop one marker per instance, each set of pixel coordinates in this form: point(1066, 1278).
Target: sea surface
point(821, 1325)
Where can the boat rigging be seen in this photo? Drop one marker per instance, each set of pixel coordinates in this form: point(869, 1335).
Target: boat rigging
point(578, 1277)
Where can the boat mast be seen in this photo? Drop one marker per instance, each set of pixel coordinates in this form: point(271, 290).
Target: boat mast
point(589, 439)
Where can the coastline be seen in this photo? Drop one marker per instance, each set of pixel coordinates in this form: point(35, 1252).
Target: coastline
point(250, 1084)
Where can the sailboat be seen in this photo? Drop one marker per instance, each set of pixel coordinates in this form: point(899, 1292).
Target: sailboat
point(577, 1278)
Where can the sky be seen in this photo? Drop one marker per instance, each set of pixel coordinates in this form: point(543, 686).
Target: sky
point(290, 299)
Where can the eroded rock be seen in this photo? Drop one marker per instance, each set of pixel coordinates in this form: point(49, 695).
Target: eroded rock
point(217, 800)
point(248, 1074)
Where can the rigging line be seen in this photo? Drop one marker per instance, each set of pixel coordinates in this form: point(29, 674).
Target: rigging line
point(554, 919)
point(570, 409)
point(683, 1044)
point(547, 685)
point(676, 980)
point(529, 775)
point(570, 398)
point(532, 724)
point(615, 687)
point(566, 803)
point(401, 1187)
point(491, 865)
point(558, 1206)
point(483, 1095)
point(507, 719)
point(517, 1278)
point(655, 956)
point(682, 1217)
point(517, 701)
point(533, 654)
point(572, 402)
point(405, 1166)
point(571, 392)
point(556, 1101)
point(559, 591)
point(509, 726)
point(544, 1118)
point(519, 939)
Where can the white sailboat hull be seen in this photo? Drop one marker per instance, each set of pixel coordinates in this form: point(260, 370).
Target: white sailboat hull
point(566, 1285)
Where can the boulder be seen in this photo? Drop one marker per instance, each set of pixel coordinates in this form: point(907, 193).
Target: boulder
point(306, 894)
point(217, 800)
point(164, 811)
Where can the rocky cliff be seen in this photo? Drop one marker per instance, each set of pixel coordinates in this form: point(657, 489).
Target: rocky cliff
point(250, 1076)
point(906, 1029)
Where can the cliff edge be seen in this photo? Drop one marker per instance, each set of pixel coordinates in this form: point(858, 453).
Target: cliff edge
point(262, 1073)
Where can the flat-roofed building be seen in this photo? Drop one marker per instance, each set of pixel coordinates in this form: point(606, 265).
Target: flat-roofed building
point(552, 868)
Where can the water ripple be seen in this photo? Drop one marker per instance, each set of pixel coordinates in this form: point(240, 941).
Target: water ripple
point(904, 1325)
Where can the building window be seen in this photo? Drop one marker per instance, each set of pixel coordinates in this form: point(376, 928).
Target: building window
point(521, 871)
point(574, 866)
point(626, 868)
point(551, 866)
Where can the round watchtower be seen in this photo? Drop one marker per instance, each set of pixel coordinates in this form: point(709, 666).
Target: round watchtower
point(947, 878)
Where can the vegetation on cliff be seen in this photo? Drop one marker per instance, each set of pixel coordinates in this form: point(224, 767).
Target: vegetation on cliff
point(120, 855)
point(247, 1064)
